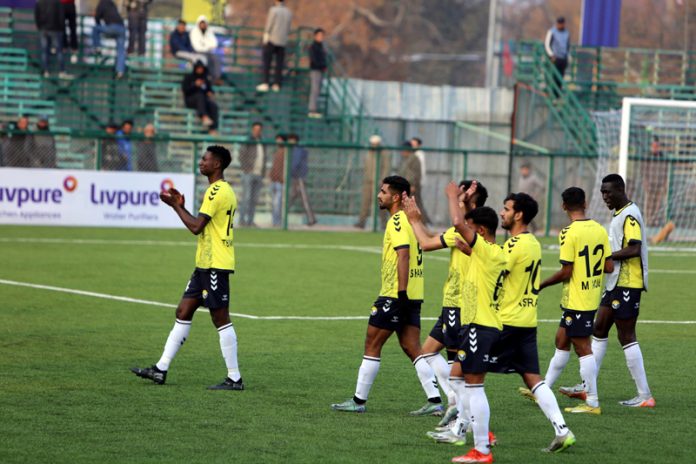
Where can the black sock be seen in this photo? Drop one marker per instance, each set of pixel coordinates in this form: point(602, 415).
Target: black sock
point(358, 400)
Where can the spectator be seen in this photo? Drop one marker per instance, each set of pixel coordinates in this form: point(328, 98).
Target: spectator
point(275, 38)
point(125, 147)
point(203, 41)
point(50, 21)
point(180, 45)
point(317, 68)
point(70, 34)
point(410, 169)
point(416, 144)
point(199, 94)
point(252, 160)
point(299, 168)
point(137, 25)
point(44, 146)
point(530, 184)
point(18, 146)
point(376, 167)
point(112, 28)
point(557, 46)
point(147, 150)
point(112, 159)
point(277, 177)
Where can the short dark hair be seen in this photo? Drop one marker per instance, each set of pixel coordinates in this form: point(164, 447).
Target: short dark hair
point(616, 180)
point(294, 137)
point(484, 216)
point(481, 191)
point(181, 21)
point(417, 139)
point(560, 19)
point(318, 30)
point(406, 146)
point(282, 136)
point(524, 203)
point(397, 184)
point(222, 154)
point(127, 121)
point(257, 123)
point(573, 198)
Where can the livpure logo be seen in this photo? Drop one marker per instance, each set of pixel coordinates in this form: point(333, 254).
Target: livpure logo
point(33, 195)
point(121, 198)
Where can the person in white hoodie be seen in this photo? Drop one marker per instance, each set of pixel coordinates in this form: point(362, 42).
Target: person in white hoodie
point(203, 41)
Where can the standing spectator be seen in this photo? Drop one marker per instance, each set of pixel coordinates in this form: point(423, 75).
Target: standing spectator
point(204, 41)
point(372, 171)
point(111, 158)
point(410, 169)
point(125, 147)
point(557, 46)
point(70, 34)
point(277, 177)
point(199, 95)
point(50, 21)
point(137, 25)
point(147, 150)
point(530, 184)
point(252, 160)
point(18, 145)
point(275, 38)
point(112, 28)
point(44, 146)
point(317, 68)
point(416, 144)
point(180, 45)
point(299, 168)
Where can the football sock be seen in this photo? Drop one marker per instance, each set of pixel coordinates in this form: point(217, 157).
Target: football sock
point(599, 349)
point(463, 411)
point(548, 404)
point(366, 376)
point(228, 346)
point(634, 361)
point(426, 375)
point(588, 373)
point(480, 415)
point(176, 338)
point(556, 366)
point(442, 370)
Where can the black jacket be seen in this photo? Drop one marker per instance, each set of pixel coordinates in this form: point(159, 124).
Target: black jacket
point(107, 12)
point(49, 15)
point(317, 56)
point(189, 87)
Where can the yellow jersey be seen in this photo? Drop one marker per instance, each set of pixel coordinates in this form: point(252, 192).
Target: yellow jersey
point(518, 303)
point(215, 249)
point(631, 273)
point(458, 267)
point(482, 284)
point(398, 235)
point(585, 245)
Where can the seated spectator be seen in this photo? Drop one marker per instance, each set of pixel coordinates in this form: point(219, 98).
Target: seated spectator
point(180, 45)
point(18, 146)
point(125, 147)
point(44, 146)
point(112, 160)
point(147, 150)
point(198, 94)
point(49, 17)
point(112, 28)
point(203, 40)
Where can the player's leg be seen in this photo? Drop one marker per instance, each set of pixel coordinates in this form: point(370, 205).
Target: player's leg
point(546, 400)
point(603, 322)
point(432, 346)
point(588, 374)
point(409, 339)
point(560, 357)
point(455, 432)
point(626, 329)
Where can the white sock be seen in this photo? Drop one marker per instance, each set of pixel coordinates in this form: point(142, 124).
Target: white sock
point(176, 338)
point(228, 346)
point(548, 404)
point(599, 349)
point(463, 410)
point(442, 370)
point(426, 375)
point(452, 395)
point(634, 361)
point(556, 366)
point(366, 376)
point(588, 373)
point(480, 415)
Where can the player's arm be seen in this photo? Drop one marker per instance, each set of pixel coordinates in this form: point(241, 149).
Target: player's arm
point(402, 268)
point(559, 276)
point(632, 233)
point(427, 241)
point(176, 200)
point(452, 191)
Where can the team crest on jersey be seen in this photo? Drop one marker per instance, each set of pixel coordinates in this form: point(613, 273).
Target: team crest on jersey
point(568, 320)
point(374, 311)
point(205, 294)
point(461, 355)
point(444, 328)
point(615, 304)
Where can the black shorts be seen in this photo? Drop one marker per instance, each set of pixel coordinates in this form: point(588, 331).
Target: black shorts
point(624, 302)
point(447, 332)
point(516, 351)
point(474, 353)
point(578, 323)
point(210, 287)
point(388, 314)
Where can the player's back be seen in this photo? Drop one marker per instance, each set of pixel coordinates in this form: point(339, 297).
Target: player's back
point(482, 285)
point(215, 243)
point(458, 267)
point(585, 245)
point(518, 303)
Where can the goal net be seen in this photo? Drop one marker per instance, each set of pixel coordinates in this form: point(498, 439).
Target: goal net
point(652, 144)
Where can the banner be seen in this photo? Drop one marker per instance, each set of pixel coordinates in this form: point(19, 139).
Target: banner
point(89, 198)
point(601, 21)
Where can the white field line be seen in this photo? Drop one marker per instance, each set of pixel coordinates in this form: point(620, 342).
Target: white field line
point(126, 299)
